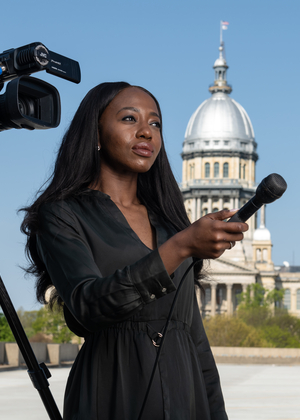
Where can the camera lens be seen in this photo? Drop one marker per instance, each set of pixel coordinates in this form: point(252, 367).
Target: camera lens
point(27, 106)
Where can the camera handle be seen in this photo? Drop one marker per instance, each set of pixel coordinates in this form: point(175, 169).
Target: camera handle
point(39, 373)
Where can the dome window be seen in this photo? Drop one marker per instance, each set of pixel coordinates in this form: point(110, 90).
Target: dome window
point(207, 170)
point(225, 170)
point(242, 171)
point(216, 170)
point(192, 171)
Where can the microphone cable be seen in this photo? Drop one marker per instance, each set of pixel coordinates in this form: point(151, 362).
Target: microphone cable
point(165, 333)
point(270, 189)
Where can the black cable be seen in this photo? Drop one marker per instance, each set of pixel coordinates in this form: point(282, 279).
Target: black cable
point(164, 333)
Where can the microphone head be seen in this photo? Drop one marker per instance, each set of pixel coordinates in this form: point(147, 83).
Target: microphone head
point(271, 188)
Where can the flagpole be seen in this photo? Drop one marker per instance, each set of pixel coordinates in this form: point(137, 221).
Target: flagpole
point(221, 40)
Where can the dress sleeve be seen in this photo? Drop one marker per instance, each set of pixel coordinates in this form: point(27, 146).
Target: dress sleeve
point(209, 369)
point(93, 300)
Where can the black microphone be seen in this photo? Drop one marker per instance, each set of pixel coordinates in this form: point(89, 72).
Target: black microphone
point(270, 189)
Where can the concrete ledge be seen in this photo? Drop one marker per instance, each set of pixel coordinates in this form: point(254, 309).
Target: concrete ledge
point(54, 354)
point(256, 355)
point(11, 354)
point(57, 354)
point(40, 351)
point(2, 349)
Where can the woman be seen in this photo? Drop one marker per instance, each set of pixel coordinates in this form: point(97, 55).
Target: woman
point(111, 234)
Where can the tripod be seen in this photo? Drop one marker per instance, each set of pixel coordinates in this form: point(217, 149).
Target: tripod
point(38, 373)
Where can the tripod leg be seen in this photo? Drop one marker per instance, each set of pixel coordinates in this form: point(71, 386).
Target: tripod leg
point(38, 373)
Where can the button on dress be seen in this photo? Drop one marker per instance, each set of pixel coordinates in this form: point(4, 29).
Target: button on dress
point(117, 295)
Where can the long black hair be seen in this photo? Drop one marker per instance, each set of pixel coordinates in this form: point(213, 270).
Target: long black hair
point(78, 166)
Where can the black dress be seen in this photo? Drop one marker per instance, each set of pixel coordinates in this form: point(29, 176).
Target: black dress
point(117, 295)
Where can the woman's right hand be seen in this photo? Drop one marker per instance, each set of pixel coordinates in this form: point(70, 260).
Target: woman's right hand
point(207, 238)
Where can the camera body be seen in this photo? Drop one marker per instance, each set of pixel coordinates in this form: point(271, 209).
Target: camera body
point(29, 102)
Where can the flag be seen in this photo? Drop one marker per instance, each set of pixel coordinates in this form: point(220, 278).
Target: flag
point(224, 25)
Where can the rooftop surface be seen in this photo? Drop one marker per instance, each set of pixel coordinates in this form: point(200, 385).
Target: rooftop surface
point(251, 392)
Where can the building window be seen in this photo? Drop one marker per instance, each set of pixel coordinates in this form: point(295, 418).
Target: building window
point(215, 209)
point(207, 295)
point(216, 170)
point(244, 171)
point(265, 254)
point(298, 299)
point(207, 170)
point(237, 296)
point(192, 171)
point(219, 296)
point(204, 212)
point(225, 170)
point(287, 299)
point(258, 254)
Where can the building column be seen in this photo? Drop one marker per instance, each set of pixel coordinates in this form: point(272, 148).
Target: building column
point(213, 300)
point(244, 286)
point(236, 203)
point(195, 209)
point(293, 300)
point(209, 204)
point(229, 299)
point(199, 207)
point(221, 204)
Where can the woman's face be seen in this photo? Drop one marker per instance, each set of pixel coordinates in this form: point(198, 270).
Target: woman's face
point(129, 132)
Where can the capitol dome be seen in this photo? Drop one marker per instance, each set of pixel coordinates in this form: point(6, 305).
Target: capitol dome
point(220, 117)
point(220, 123)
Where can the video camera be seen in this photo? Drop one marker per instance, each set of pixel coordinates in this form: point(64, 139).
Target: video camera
point(29, 102)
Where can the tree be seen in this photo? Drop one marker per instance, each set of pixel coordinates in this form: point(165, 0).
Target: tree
point(5, 331)
point(258, 322)
point(52, 324)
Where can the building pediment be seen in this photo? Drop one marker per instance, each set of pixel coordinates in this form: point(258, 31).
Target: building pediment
point(224, 266)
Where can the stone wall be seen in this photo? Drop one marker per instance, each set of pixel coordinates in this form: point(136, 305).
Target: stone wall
point(54, 354)
point(58, 354)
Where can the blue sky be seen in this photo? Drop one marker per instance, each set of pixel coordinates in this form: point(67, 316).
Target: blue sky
point(168, 47)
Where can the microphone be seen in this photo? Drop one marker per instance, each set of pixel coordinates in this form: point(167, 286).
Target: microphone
point(270, 189)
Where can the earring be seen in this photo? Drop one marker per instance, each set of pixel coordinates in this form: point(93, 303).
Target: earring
point(99, 148)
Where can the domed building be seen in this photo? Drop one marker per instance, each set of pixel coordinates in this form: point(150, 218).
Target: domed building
point(219, 158)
